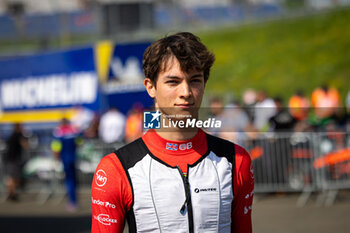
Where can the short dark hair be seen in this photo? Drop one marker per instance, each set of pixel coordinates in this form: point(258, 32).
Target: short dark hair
point(191, 53)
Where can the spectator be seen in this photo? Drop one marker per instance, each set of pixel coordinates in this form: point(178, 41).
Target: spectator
point(249, 100)
point(13, 161)
point(283, 121)
point(299, 106)
point(234, 122)
point(249, 97)
point(216, 109)
point(64, 147)
point(265, 108)
point(133, 127)
point(92, 130)
point(112, 126)
point(326, 100)
point(83, 118)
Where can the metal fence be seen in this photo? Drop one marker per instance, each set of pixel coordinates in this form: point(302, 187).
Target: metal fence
point(44, 175)
point(303, 162)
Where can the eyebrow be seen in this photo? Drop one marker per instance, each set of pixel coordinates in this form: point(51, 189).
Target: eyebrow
point(193, 76)
point(172, 77)
point(199, 75)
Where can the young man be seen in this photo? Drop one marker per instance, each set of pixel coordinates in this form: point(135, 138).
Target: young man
point(178, 180)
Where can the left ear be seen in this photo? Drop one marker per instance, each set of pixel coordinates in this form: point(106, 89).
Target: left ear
point(150, 87)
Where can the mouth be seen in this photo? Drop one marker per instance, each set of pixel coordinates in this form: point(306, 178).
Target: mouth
point(184, 106)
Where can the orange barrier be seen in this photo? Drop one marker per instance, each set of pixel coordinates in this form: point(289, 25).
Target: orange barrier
point(302, 153)
point(256, 152)
point(332, 158)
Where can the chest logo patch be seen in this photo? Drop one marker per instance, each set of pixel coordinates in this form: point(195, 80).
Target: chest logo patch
point(176, 147)
point(197, 190)
point(101, 178)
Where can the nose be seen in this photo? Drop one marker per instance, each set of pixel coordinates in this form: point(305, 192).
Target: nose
point(185, 90)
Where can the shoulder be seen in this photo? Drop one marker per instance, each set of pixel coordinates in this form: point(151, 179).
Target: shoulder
point(242, 156)
point(224, 148)
point(131, 153)
point(243, 166)
point(110, 178)
point(223, 145)
point(109, 164)
point(219, 145)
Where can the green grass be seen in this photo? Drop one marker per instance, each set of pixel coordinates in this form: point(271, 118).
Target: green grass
point(282, 56)
point(279, 57)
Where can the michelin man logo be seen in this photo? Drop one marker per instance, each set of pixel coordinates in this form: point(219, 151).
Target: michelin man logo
point(128, 73)
point(151, 120)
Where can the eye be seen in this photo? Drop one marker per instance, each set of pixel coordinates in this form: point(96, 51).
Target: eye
point(196, 80)
point(171, 81)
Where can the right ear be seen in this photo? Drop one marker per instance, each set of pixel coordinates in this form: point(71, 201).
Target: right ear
point(150, 87)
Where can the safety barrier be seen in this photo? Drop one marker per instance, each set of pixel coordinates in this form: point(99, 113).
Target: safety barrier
point(303, 162)
point(44, 175)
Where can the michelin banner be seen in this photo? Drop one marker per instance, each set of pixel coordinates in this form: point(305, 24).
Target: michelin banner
point(48, 86)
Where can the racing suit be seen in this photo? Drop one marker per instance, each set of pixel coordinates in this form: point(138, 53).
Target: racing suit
point(204, 184)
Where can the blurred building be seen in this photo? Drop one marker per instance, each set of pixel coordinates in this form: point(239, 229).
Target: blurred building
point(191, 3)
point(125, 15)
point(40, 6)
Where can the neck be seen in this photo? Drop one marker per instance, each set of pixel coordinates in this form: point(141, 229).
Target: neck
point(177, 134)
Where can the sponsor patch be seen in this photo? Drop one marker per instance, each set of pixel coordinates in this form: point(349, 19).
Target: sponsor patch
point(101, 178)
point(197, 190)
point(176, 147)
point(102, 203)
point(105, 219)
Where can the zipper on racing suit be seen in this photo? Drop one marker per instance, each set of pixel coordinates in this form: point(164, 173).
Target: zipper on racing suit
point(188, 202)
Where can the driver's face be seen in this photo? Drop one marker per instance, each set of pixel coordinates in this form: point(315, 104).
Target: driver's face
point(177, 92)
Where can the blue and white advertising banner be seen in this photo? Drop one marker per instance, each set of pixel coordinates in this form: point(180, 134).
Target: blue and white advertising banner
point(50, 91)
point(48, 86)
point(43, 82)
